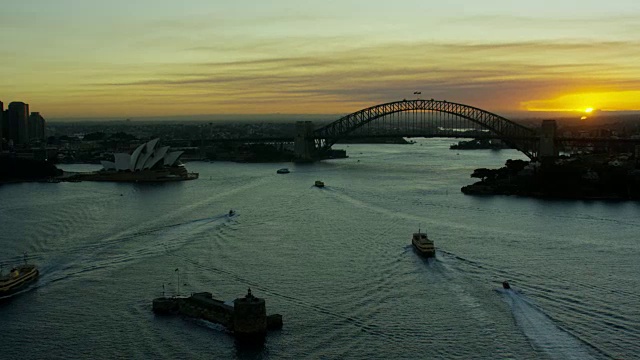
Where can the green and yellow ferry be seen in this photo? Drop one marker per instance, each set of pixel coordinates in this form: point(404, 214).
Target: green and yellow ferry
point(423, 244)
point(17, 279)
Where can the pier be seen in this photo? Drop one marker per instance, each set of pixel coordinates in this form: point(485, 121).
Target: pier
point(246, 317)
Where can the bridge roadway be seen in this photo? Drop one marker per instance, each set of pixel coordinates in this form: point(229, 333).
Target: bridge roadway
point(424, 118)
point(290, 139)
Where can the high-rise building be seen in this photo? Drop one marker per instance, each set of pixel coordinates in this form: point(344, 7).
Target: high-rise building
point(36, 126)
point(17, 114)
point(1, 123)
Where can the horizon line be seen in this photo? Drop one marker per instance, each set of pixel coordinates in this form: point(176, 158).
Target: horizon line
point(520, 113)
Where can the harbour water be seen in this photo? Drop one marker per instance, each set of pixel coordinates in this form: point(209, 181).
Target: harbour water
point(336, 262)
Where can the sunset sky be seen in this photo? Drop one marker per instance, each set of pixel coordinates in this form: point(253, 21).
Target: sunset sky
point(87, 58)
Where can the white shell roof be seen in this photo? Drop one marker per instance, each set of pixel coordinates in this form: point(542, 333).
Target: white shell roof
point(134, 157)
point(171, 158)
point(143, 157)
point(142, 160)
point(157, 156)
point(152, 144)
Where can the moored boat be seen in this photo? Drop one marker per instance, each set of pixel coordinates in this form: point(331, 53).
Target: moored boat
point(423, 244)
point(18, 279)
point(283, 171)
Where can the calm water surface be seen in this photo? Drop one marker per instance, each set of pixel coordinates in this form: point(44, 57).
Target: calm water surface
point(335, 262)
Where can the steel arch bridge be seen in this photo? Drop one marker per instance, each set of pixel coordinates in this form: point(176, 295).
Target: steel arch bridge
point(520, 137)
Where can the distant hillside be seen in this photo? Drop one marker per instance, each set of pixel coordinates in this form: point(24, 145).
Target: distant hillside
point(217, 119)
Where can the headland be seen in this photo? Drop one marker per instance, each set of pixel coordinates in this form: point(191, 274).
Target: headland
point(602, 176)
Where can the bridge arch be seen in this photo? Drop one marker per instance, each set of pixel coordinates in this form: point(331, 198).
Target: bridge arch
point(520, 137)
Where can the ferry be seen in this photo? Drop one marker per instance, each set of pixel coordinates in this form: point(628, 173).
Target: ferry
point(319, 184)
point(283, 171)
point(18, 278)
point(422, 243)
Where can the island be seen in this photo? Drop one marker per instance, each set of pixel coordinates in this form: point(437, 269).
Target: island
point(480, 144)
point(601, 176)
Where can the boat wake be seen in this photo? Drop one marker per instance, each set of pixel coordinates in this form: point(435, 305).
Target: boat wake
point(542, 332)
point(125, 248)
point(27, 289)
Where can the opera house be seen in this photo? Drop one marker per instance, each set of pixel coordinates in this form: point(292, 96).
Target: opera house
point(148, 163)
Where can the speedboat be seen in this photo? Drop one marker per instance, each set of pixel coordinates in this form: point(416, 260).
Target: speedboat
point(18, 278)
point(283, 171)
point(505, 285)
point(232, 212)
point(423, 244)
point(319, 184)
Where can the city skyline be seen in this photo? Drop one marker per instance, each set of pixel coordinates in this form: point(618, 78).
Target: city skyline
point(144, 58)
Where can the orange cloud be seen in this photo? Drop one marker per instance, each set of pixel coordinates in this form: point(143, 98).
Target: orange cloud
point(332, 75)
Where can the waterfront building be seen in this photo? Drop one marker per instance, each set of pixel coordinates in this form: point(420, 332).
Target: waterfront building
point(147, 163)
point(17, 115)
point(36, 126)
point(1, 124)
point(144, 157)
point(19, 127)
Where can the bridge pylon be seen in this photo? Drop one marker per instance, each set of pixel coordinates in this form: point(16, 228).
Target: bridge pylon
point(304, 147)
point(548, 147)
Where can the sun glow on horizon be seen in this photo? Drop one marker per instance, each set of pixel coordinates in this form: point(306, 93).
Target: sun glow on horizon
point(587, 102)
point(206, 57)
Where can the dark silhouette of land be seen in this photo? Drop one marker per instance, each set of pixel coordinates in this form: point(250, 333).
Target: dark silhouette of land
point(480, 144)
point(597, 172)
point(600, 176)
point(20, 170)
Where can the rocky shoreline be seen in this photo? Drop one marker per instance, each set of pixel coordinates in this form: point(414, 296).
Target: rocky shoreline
point(592, 177)
point(480, 144)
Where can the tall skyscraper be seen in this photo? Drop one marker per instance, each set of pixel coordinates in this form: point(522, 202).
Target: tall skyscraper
point(36, 126)
point(1, 123)
point(17, 114)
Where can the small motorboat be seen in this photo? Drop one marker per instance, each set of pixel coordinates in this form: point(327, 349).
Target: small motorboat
point(232, 212)
point(505, 285)
point(283, 171)
point(319, 184)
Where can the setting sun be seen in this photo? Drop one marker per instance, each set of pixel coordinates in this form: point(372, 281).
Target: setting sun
point(587, 102)
point(171, 59)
